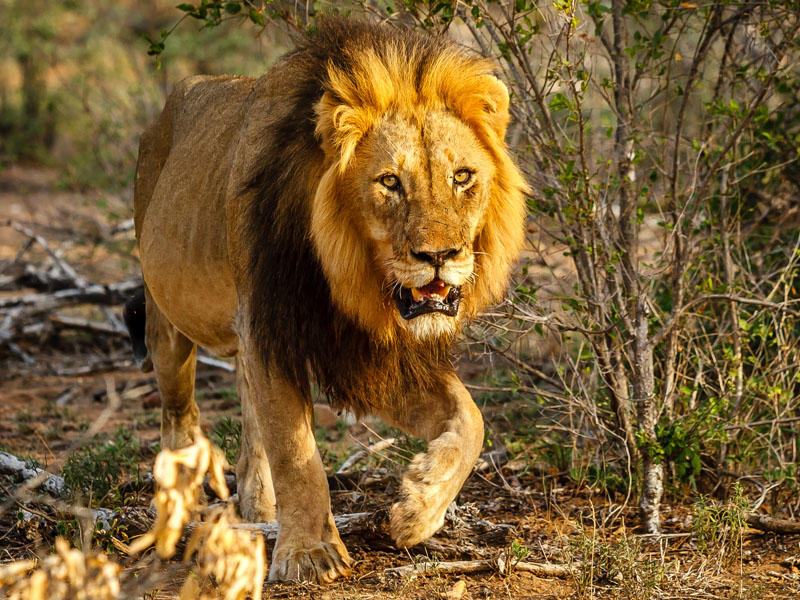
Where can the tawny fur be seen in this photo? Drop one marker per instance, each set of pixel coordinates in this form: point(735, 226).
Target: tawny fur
point(265, 232)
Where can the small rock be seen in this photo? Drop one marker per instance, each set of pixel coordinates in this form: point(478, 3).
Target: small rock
point(457, 591)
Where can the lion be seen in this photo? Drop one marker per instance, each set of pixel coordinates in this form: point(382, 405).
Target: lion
point(334, 221)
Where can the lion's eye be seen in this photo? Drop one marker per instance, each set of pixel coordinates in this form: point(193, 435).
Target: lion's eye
point(390, 182)
point(462, 176)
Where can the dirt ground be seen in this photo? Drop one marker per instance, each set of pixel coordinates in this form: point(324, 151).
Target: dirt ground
point(49, 402)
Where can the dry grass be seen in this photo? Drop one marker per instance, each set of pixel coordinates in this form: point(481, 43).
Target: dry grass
point(230, 564)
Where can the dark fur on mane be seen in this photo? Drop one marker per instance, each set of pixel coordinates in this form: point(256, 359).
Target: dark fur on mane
point(294, 321)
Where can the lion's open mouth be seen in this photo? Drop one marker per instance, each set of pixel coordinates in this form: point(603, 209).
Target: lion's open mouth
point(437, 296)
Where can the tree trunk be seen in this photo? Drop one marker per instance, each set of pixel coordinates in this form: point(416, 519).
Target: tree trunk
point(647, 416)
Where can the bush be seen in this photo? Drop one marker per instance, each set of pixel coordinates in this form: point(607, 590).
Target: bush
point(95, 470)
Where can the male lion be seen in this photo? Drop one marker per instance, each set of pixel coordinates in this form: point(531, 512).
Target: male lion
point(337, 219)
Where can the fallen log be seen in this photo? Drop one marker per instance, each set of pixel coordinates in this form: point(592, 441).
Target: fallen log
point(105, 295)
point(66, 322)
point(771, 524)
point(122, 227)
point(16, 313)
point(19, 469)
point(25, 275)
point(349, 524)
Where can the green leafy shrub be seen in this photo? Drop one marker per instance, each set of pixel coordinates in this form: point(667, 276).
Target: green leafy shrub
point(719, 528)
point(96, 470)
point(227, 434)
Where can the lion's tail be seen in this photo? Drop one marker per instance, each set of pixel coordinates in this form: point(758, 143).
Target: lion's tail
point(134, 316)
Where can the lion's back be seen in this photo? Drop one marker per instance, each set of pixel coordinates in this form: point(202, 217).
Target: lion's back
point(184, 164)
point(189, 145)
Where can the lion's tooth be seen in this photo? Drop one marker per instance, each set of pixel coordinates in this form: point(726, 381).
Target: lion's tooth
point(416, 294)
point(440, 295)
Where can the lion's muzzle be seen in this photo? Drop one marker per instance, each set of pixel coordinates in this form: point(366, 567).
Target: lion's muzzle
point(437, 296)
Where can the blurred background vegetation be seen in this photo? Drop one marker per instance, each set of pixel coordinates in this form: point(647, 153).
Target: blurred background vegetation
point(77, 86)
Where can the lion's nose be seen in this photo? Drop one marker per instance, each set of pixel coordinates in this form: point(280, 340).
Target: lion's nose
point(437, 258)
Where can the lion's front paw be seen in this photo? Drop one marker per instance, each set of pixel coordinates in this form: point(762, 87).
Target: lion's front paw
point(413, 522)
point(318, 563)
point(428, 488)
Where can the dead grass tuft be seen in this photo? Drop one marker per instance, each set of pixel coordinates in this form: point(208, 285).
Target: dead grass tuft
point(69, 574)
point(230, 563)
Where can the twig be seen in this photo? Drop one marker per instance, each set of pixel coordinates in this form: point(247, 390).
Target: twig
point(476, 566)
point(492, 459)
point(346, 525)
point(100, 366)
point(219, 364)
point(675, 317)
point(364, 452)
point(780, 421)
point(62, 264)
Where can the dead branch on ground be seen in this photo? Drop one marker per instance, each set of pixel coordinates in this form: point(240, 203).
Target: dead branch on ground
point(58, 286)
point(21, 472)
point(501, 564)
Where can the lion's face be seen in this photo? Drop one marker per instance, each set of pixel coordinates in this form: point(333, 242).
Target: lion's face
point(423, 187)
point(419, 210)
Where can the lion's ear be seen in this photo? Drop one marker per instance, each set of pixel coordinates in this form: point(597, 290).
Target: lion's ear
point(340, 127)
point(496, 102)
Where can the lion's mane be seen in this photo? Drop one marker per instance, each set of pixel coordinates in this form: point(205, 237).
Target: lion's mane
point(316, 300)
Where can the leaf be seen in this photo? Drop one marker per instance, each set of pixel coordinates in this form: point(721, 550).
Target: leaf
point(457, 591)
point(559, 102)
point(256, 17)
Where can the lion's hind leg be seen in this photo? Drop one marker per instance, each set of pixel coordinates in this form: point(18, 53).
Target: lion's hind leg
point(253, 474)
point(453, 424)
point(174, 360)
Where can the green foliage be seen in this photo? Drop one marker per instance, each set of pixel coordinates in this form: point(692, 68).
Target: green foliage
point(96, 469)
point(649, 447)
point(621, 563)
point(557, 453)
point(79, 88)
point(227, 434)
point(599, 477)
point(519, 550)
point(719, 528)
point(682, 447)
